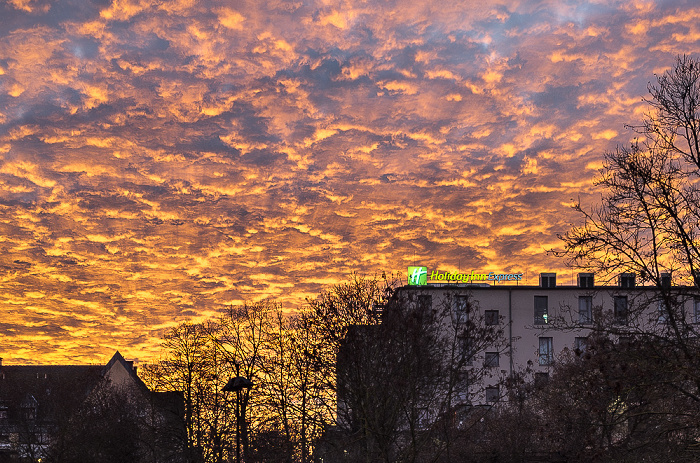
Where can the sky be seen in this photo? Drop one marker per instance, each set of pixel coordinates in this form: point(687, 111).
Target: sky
point(162, 160)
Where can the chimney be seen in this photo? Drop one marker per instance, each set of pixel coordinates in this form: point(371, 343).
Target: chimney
point(132, 365)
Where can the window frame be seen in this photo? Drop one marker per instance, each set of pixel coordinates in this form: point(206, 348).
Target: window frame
point(491, 317)
point(586, 280)
point(460, 309)
point(466, 350)
point(580, 343)
point(620, 311)
point(489, 392)
point(661, 312)
point(628, 280)
point(548, 280)
point(424, 302)
point(492, 359)
point(545, 356)
point(541, 316)
point(585, 318)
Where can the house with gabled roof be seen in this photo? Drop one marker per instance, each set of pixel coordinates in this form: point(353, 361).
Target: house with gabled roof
point(54, 412)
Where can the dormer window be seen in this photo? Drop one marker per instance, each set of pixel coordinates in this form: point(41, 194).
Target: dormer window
point(627, 280)
point(585, 280)
point(665, 280)
point(548, 280)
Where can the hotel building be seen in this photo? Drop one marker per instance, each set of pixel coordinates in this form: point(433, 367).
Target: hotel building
point(539, 323)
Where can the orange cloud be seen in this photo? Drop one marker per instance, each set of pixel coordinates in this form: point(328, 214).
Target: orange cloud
point(158, 162)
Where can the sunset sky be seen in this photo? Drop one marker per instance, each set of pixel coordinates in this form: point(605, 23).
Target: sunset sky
point(160, 160)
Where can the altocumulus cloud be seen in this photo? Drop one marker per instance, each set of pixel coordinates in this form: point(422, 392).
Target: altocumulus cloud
point(159, 161)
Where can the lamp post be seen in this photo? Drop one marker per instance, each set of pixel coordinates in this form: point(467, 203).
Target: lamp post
point(236, 385)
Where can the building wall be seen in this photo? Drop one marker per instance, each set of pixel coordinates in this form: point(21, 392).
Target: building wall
point(516, 310)
point(36, 400)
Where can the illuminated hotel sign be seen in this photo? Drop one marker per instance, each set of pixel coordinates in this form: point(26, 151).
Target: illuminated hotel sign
point(417, 275)
point(420, 276)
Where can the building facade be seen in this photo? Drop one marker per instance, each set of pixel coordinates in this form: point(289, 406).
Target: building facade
point(444, 353)
point(538, 324)
point(87, 413)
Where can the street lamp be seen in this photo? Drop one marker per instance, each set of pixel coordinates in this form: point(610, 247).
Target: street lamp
point(236, 385)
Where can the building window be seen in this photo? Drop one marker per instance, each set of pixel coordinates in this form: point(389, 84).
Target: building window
point(580, 344)
point(548, 280)
point(425, 302)
point(585, 280)
point(460, 310)
point(492, 394)
point(665, 280)
point(462, 381)
point(466, 350)
point(491, 317)
point(541, 310)
point(585, 310)
point(620, 313)
point(491, 359)
point(627, 280)
point(28, 408)
point(661, 313)
point(696, 310)
point(546, 351)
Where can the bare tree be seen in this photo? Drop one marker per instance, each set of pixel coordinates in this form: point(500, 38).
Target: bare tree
point(241, 336)
point(649, 224)
point(649, 219)
point(312, 396)
point(192, 364)
point(107, 427)
point(297, 387)
point(277, 353)
point(276, 417)
point(330, 316)
point(291, 392)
